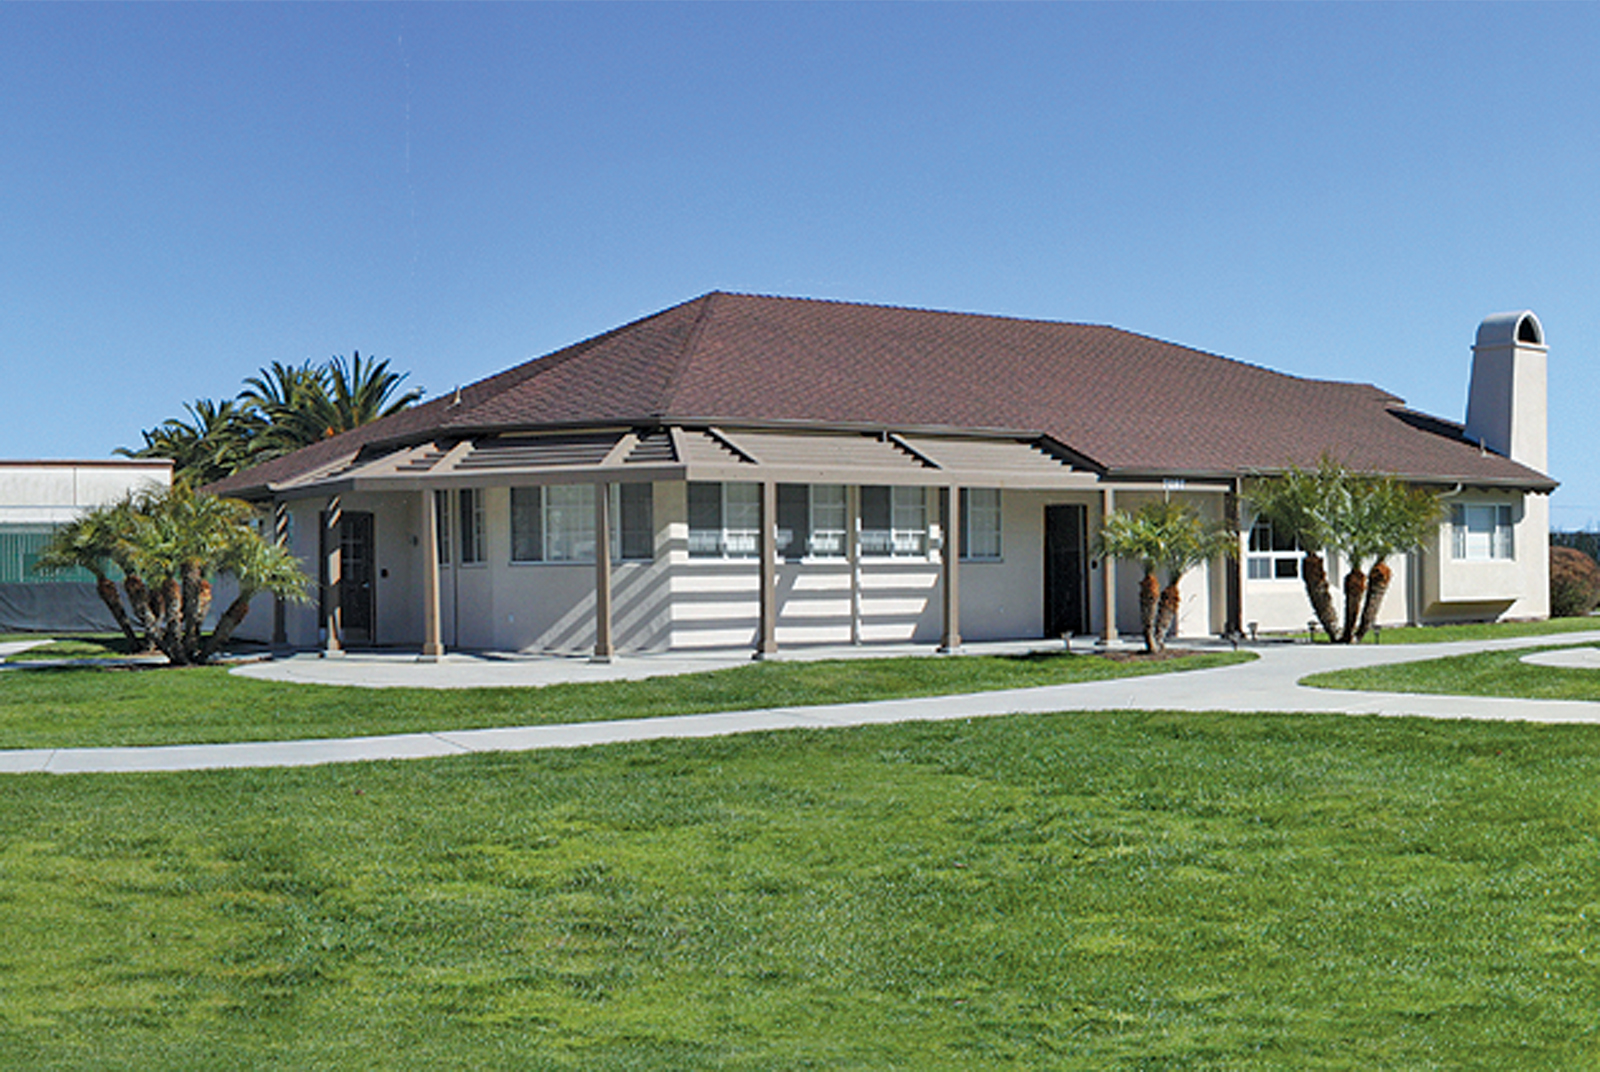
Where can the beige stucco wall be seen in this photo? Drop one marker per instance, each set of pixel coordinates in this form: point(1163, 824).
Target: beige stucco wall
point(698, 603)
point(1476, 590)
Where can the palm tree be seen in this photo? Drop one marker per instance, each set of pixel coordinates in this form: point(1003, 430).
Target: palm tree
point(170, 543)
point(1310, 508)
point(1168, 537)
point(1136, 537)
point(1391, 517)
point(281, 409)
point(90, 543)
point(257, 566)
point(362, 394)
point(1190, 540)
point(1364, 517)
point(292, 402)
point(213, 443)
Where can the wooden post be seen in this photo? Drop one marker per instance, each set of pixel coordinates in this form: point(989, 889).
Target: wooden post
point(333, 556)
point(280, 537)
point(602, 574)
point(852, 551)
point(1233, 619)
point(432, 639)
point(767, 549)
point(1108, 575)
point(950, 521)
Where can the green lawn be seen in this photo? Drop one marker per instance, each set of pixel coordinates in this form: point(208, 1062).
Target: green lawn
point(93, 706)
point(1086, 891)
point(1493, 673)
point(1438, 634)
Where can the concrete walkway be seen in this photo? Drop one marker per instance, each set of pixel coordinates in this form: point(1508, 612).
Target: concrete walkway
point(1268, 684)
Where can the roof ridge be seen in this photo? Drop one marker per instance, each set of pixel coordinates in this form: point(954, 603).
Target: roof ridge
point(670, 389)
point(546, 363)
point(1042, 322)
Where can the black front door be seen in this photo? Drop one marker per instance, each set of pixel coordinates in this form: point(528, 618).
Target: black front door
point(1066, 578)
point(355, 578)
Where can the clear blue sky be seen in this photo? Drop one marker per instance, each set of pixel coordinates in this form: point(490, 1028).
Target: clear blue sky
point(189, 192)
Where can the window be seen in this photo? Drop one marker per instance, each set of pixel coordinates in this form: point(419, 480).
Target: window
point(894, 521)
point(441, 520)
point(556, 523)
point(1273, 556)
point(980, 524)
point(1481, 531)
point(811, 520)
point(724, 520)
point(471, 508)
point(633, 522)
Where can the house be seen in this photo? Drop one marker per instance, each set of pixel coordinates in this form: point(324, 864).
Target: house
point(35, 498)
point(763, 472)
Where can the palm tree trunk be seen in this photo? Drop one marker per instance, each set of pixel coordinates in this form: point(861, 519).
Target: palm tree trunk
point(1149, 593)
point(1168, 614)
point(139, 600)
point(171, 635)
point(1378, 579)
point(1315, 575)
point(226, 625)
point(196, 601)
point(1355, 586)
point(113, 601)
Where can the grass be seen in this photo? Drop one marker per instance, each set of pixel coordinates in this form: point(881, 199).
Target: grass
point(1439, 634)
point(92, 706)
point(1490, 673)
point(1086, 891)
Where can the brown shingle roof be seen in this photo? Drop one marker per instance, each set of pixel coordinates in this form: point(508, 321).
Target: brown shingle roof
point(1131, 404)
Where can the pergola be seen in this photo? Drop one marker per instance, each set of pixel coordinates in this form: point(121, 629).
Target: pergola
point(767, 456)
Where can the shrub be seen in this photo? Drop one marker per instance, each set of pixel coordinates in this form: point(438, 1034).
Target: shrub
point(1574, 583)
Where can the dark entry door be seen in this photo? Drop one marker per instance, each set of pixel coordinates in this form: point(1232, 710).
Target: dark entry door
point(1066, 576)
point(355, 578)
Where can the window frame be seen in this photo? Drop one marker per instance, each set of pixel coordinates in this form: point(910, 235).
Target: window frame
point(905, 508)
point(730, 542)
point(968, 513)
point(1281, 557)
point(1500, 535)
point(807, 521)
point(634, 507)
point(470, 514)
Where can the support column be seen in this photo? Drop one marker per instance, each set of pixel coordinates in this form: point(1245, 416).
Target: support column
point(602, 574)
point(1108, 575)
point(333, 559)
point(280, 538)
point(1233, 619)
point(852, 554)
point(432, 638)
point(950, 521)
point(767, 549)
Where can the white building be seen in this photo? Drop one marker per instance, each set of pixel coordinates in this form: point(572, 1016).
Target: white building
point(757, 471)
point(35, 498)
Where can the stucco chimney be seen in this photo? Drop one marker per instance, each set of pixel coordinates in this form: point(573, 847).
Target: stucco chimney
point(1506, 401)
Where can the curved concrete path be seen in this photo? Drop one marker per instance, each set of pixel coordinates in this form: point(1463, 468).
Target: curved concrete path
point(1268, 684)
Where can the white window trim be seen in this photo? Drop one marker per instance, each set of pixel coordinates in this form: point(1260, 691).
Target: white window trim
point(1271, 558)
point(907, 541)
point(740, 544)
point(614, 516)
point(480, 537)
point(967, 515)
point(815, 530)
point(1502, 536)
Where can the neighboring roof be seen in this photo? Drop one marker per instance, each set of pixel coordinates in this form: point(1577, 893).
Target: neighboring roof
point(1128, 405)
